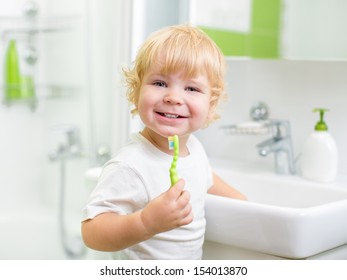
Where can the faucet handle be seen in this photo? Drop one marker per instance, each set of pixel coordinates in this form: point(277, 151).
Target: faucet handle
point(280, 128)
point(64, 142)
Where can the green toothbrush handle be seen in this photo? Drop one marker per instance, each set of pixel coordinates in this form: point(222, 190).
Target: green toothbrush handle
point(173, 176)
point(173, 169)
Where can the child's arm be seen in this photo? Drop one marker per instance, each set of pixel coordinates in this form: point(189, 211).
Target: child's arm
point(113, 232)
point(221, 188)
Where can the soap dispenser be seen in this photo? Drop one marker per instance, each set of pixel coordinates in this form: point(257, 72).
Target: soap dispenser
point(319, 156)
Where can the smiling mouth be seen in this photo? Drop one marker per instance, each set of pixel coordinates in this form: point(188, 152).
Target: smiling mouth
point(171, 116)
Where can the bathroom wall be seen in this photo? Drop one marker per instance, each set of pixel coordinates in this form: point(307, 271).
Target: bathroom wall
point(25, 142)
point(85, 57)
point(291, 89)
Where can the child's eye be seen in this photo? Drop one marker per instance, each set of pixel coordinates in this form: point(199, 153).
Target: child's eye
point(159, 83)
point(192, 89)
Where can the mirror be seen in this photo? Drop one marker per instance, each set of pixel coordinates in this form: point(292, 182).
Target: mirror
point(275, 29)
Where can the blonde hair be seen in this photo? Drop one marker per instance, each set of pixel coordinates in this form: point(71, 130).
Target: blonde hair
point(174, 49)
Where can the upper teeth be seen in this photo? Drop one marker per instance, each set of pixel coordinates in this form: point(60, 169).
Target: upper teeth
point(171, 116)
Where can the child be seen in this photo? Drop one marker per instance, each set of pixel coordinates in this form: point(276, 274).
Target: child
point(175, 87)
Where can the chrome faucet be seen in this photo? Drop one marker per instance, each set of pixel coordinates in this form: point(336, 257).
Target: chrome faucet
point(281, 145)
point(66, 141)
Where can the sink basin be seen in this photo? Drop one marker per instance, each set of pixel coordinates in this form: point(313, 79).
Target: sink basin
point(284, 216)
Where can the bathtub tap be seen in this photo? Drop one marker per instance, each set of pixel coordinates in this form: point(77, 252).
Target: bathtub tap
point(68, 145)
point(281, 145)
point(67, 142)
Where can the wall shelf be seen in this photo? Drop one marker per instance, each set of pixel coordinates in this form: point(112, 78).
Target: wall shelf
point(25, 29)
point(42, 92)
point(36, 25)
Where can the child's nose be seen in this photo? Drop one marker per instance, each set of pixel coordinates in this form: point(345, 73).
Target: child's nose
point(173, 97)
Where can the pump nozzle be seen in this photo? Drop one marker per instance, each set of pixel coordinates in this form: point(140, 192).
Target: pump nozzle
point(321, 125)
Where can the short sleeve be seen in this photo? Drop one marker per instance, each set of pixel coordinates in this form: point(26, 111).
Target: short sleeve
point(120, 189)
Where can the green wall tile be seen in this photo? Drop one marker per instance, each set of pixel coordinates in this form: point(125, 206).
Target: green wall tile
point(263, 39)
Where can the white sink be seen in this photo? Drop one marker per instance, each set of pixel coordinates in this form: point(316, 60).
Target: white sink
point(284, 216)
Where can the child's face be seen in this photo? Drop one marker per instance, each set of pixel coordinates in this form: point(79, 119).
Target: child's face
point(172, 104)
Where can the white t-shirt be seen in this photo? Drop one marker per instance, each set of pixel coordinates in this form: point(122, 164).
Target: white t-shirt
point(138, 174)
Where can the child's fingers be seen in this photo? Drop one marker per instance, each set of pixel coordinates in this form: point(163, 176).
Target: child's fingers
point(176, 190)
point(183, 199)
point(187, 215)
point(187, 210)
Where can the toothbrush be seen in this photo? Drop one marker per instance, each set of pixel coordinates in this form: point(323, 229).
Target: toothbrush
point(174, 145)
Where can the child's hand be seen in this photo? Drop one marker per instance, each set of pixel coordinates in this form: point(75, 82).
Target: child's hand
point(169, 210)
